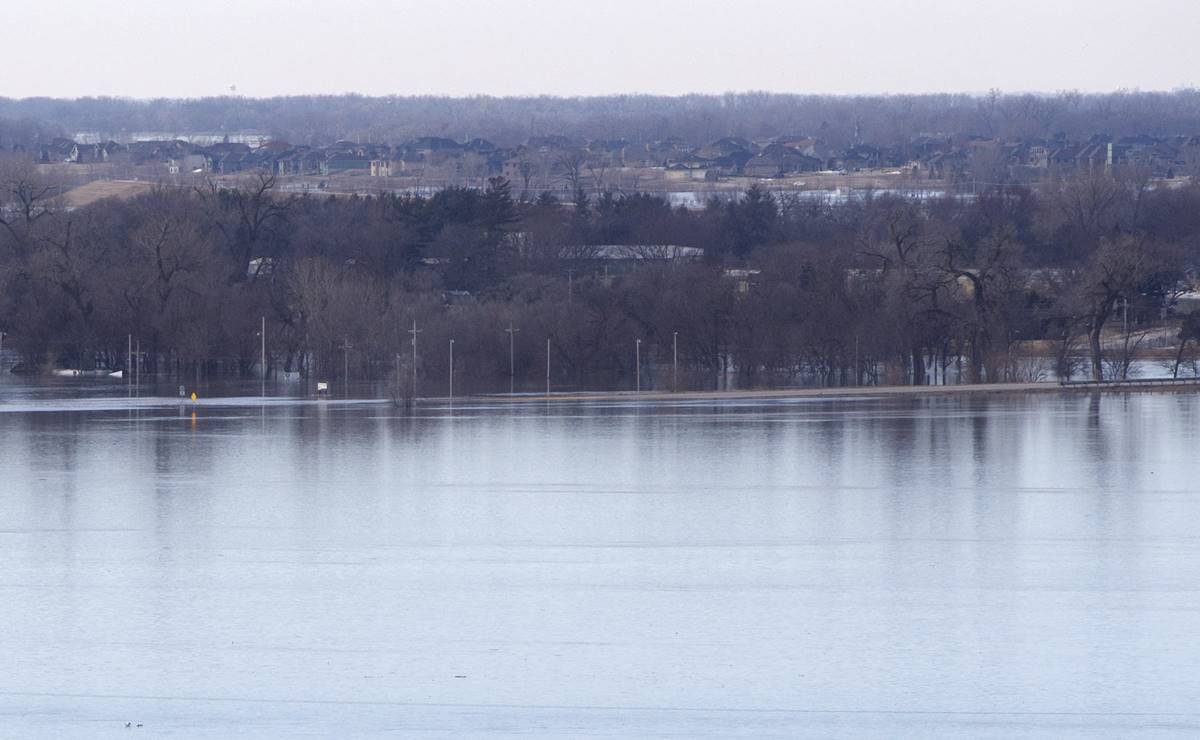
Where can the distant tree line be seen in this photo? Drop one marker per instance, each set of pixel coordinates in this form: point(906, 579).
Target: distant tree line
point(838, 120)
point(874, 289)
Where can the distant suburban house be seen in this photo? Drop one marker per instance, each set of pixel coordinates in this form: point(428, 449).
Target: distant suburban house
point(945, 165)
point(725, 147)
point(226, 158)
point(480, 146)
point(777, 160)
point(300, 161)
point(666, 152)
point(681, 171)
point(193, 163)
point(345, 162)
point(432, 149)
point(811, 147)
point(860, 157)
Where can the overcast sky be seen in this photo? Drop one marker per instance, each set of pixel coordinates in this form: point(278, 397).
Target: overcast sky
point(149, 48)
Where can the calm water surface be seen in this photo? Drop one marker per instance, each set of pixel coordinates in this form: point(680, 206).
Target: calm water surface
point(938, 567)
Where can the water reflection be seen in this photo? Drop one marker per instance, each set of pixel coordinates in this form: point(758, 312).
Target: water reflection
point(940, 555)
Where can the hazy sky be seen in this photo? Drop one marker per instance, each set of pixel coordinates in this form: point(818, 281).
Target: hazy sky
point(145, 48)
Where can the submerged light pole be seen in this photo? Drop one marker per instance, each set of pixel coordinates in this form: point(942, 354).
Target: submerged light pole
point(511, 364)
point(346, 366)
point(857, 369)
point(638, 363)
point(414, 331)
point(675, 361)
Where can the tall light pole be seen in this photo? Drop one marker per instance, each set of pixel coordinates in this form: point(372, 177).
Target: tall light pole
point(637, 346)
point(511, 364)
point(129, 367)
point(857, 372)
point(414, 331)
point(346, 365)
point(451, 369)
point(547, 367)
point(263, 355)
point(675, 361)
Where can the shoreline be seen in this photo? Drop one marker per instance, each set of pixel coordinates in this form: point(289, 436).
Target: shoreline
point(882, 391)
point(146, 402)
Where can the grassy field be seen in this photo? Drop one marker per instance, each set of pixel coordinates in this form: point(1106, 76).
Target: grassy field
point(100, 189)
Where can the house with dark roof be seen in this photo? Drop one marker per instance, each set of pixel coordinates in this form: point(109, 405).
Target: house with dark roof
point(345, 162)
point(60, 150)
point(859, 157)
point(725, 147)
point(777, 160)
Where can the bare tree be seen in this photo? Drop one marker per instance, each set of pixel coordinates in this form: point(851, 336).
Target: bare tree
point(247, 217)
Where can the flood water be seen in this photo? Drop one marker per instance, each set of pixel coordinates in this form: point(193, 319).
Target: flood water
point(1000, 566)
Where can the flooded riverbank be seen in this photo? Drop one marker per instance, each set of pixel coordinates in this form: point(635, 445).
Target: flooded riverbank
point(936, 566)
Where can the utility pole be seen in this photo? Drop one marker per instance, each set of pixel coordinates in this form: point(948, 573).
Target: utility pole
point(129, 367)
point(857, 372)
point(675, 361)
point(451, 370)
point(346, 366)
point(511, 364)
point(137, 369)
point(547, 367)
point(638, 363)
point(414, 331)
point(263, 356)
